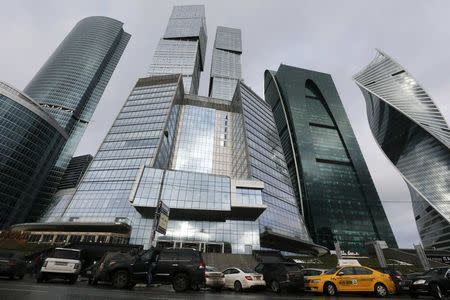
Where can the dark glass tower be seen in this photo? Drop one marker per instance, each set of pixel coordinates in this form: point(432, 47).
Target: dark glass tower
point(70, 84)
point(415, 137)
point(29, 143)
point(330, 177)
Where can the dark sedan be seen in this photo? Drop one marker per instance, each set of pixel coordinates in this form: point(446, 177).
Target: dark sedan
point(435, 282)
point(12, 265)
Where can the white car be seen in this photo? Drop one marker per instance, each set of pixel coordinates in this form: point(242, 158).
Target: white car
point(239, 279)
point(214, 279)
point(64, 263)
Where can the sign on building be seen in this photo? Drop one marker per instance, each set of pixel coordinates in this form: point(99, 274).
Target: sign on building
point(163, 217)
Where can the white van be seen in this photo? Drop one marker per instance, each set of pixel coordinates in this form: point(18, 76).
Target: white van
point(64, 263)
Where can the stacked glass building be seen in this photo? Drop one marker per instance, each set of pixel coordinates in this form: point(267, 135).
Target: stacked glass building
point(218, 164)
point(70, 84)
point(183, 46)
point(29, 143)
point(226, 63)
point(331, 180)
point(415, 137)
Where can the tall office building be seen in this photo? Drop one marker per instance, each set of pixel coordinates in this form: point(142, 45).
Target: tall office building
point(183, 46)
point(415, 137)
point(70, 84)
point(226, 63)
point(29, 143)
point(330, 177)
point(218, 164)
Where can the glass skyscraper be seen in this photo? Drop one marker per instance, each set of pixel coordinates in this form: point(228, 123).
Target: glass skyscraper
point(183, 46)
point(218, 164)
point(226, 63)
point(331, 180)
point(70, 84)
point(415, 137)
point(29, 143)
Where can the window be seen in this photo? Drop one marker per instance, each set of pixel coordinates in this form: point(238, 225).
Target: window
point(362, 271)
point(166, 256)
point(347, 271)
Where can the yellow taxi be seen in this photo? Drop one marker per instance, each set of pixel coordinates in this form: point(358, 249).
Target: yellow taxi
point(351, 279)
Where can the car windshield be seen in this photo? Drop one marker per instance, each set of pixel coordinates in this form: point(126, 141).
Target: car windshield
point(66, 254)
point(331, 271)
point(211, 269)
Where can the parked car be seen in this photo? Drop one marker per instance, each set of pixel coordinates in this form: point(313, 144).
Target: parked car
point(435, 282)
point(351, 279)
point(214, 278)
point(63, 263)
point(281, 275)
point(183, 268)
point(241, 279)
point(12, 264)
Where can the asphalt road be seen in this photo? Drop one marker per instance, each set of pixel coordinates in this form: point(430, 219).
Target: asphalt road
point(29, 289)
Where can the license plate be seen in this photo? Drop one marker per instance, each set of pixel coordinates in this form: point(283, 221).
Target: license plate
point(88, 272)
point(405, 288)
point(60, 263)
point(258, 277)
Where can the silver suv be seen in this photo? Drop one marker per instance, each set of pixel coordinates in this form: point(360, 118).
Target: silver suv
point(64, 263)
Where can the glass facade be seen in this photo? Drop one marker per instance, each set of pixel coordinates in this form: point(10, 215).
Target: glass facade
point(326, 166)
point(226, 63)
point(70, 84)
point(415, 137)
point(183, 46)
point(29, 143)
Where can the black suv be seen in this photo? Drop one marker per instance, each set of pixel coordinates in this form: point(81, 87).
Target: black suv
point(281, 275)
point(183, 268)
point(435, 282)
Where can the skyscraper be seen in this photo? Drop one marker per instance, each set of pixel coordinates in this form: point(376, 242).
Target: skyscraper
point(331, 180)
point(415, 137)
point(183, 46)
point(226, 63)
point(70, 84)
point(218, 164)
point(29, 143)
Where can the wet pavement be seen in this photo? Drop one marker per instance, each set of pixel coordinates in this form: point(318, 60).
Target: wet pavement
point(27, 288)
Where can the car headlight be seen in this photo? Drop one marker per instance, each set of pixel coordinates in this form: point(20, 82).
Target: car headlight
point(112, 263)
point(315, 281)
point(420, 281)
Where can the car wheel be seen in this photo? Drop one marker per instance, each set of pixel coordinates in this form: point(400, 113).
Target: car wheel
point(381, 290)
point(275, 286)
point(120, 279)
point(330, 289)
point(436, 291)
point(180, 282)
point(237, 286)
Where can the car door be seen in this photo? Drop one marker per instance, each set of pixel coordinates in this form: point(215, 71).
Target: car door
point(163, 269)
point(228, 279)
point(345, 279)
point(141, 265)
point(365, 279)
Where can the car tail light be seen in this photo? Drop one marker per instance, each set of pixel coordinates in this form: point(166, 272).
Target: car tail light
point(101, 266)
point(45, 264)
point(207, 275)
point(398, 277)
point(76, 266)
point(12, 262)
point(222, 275)
point(201, 265)
point(248, 277)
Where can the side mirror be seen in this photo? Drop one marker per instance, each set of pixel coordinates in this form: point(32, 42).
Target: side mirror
point(340, 273)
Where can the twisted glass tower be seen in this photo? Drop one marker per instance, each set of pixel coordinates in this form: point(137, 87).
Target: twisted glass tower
point(69, 86)
point(415, 137)
point(29, 142)
point(330, 177)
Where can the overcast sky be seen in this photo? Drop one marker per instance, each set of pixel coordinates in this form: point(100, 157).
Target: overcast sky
point(336, 37)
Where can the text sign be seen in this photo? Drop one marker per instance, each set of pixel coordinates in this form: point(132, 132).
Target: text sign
point(163, 217)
